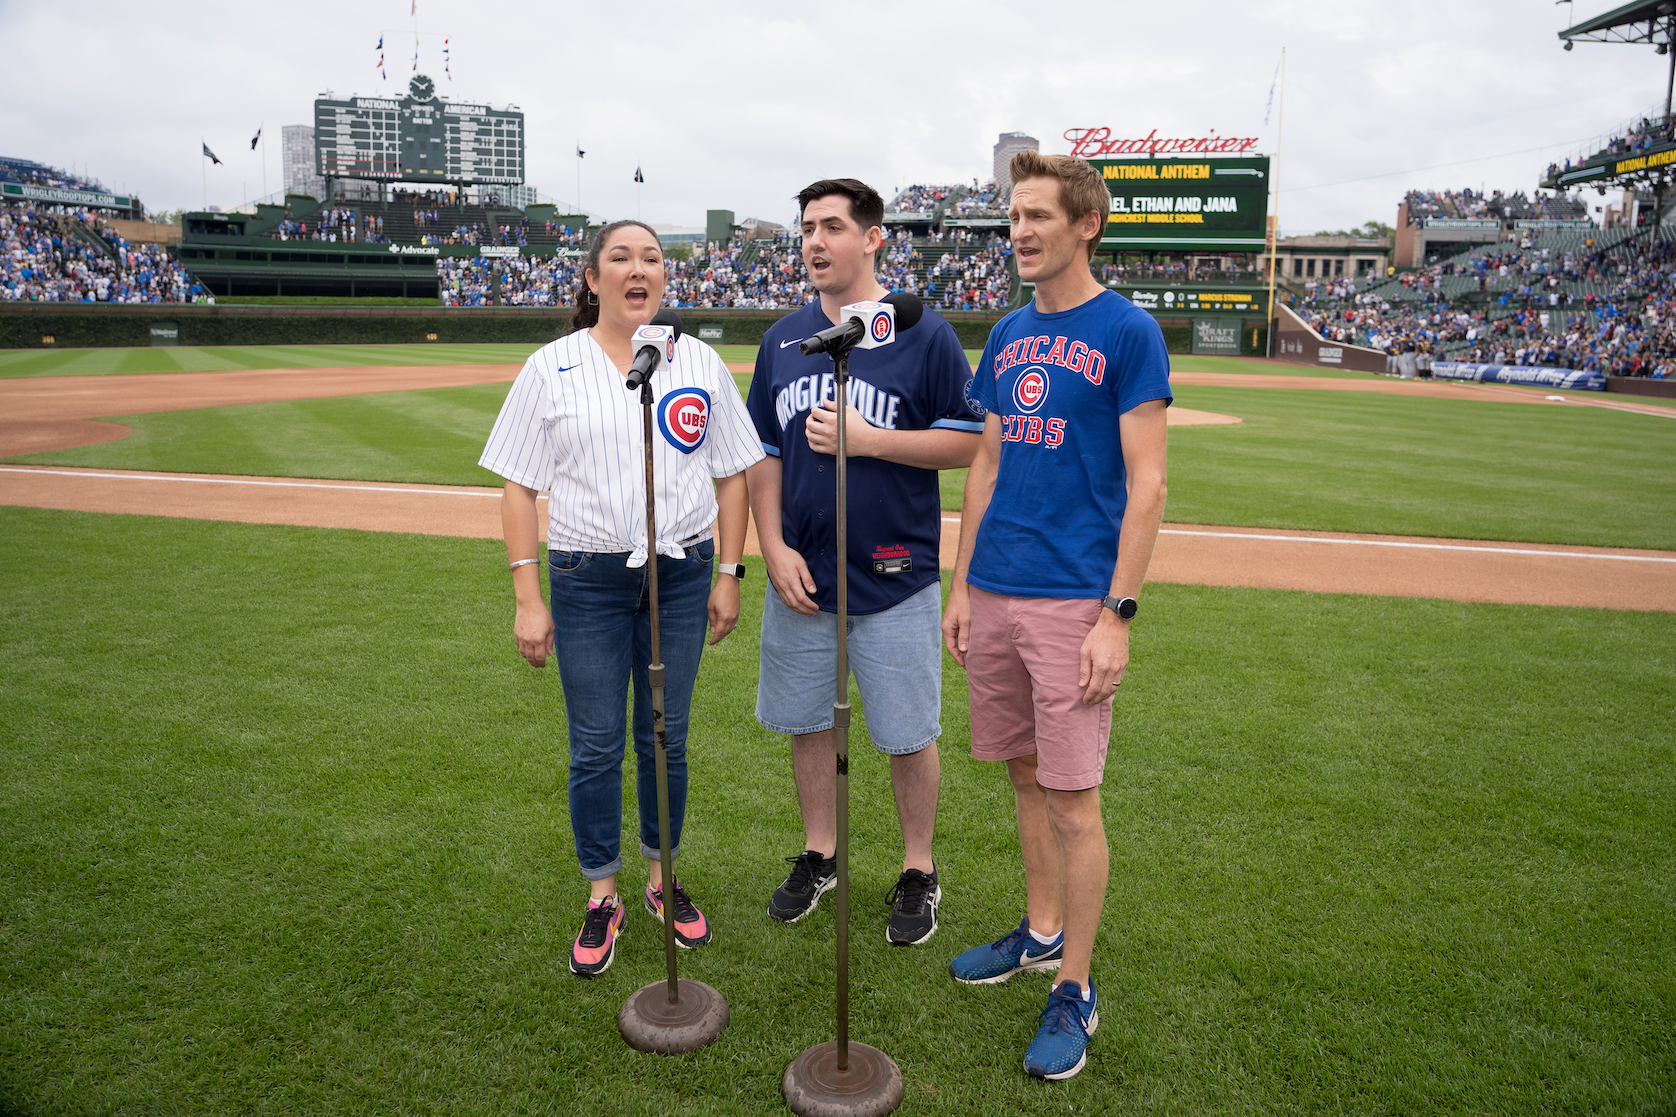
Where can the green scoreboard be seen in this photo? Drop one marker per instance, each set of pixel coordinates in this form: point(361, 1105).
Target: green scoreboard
point(1186, 205)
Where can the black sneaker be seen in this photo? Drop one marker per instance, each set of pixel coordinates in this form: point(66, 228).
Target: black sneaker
point(913, 915)
point(811, 875)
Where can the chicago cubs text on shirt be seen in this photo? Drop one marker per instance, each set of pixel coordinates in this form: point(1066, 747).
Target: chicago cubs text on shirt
point(1044, 350)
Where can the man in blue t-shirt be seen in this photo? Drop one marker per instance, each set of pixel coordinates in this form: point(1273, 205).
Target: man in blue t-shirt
point(908, 417)
point(1061, 514)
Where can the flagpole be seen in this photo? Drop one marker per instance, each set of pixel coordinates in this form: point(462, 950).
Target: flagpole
point(204, 173)
point(262, 134)
point(1274, 231)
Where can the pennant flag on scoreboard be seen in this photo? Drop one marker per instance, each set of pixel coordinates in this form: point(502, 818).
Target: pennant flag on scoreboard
point(209, 153)
point(256, 139)
point(579, 151)
point(1270, 106)
point(449, 74)
point(638, 177)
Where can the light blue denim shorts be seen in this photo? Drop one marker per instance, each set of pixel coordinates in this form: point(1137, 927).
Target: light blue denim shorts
point(895, 656)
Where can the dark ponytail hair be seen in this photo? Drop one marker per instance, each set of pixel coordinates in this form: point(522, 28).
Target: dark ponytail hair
point(586, 313)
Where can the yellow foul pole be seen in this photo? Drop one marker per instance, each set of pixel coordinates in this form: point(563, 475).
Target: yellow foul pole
point(1274, 216)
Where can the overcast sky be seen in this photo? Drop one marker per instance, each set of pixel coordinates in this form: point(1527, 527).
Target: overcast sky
point(738, 104)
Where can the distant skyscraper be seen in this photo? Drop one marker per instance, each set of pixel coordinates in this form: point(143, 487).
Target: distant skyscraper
point(1005, 147)
point(298, 161)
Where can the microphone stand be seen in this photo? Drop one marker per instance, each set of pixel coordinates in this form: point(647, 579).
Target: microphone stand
point(842, 1079)
point(675, 1015)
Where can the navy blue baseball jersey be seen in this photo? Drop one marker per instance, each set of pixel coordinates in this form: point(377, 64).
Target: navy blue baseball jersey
point(1058, 383)
point(895, 516)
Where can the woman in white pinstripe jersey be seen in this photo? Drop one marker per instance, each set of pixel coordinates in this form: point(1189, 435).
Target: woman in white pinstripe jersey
point(569, 426)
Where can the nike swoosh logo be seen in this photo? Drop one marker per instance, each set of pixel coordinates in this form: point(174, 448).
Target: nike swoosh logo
point(567, 368)
point(1026, 956)
point(783, 344)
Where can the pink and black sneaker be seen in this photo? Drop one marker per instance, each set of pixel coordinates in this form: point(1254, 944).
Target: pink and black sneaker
point(691, 928)
point(596, 944)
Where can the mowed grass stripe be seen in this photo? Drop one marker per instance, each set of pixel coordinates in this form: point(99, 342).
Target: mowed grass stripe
point(285, 819)
point(108, 362)
point(1323, 461)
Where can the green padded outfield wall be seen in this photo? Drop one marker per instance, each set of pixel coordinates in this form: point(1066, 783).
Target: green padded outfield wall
point(86, 326)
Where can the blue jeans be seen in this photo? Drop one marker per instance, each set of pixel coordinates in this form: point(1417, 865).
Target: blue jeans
point(602, 621)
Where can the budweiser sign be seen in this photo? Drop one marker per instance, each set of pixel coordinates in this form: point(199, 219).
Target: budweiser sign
point(1092, 143)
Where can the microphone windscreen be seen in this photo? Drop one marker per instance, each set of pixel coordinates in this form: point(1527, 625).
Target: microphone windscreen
point(909, 309)
point(667, 317)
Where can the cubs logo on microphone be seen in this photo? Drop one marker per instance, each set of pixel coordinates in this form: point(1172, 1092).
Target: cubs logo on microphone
point(881, 327)
point(1030, 390)
point(683, 416)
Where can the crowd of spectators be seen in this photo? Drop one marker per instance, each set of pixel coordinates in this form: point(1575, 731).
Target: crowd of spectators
point(980, 280)
point(1527, 310)
point(43, 258)
point(986, 201)
point(333, 226)
point(762, 274)
point(523, 280)
point(1192, 272)
point(919, 199)
point(1495, 206)
point(1645, 134)
point(31, 173)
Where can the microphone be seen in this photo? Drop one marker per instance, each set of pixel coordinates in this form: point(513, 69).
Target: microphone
point(867, 325)
point(654, 343)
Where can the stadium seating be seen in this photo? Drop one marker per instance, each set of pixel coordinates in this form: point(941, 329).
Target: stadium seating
point(1598, 299)
point(56, 254)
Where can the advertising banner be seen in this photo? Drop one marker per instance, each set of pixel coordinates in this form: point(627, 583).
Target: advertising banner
point(1216, 335)
point(59, 196)
point(1228, 300)
point(1574, 379)
point(1205, 204)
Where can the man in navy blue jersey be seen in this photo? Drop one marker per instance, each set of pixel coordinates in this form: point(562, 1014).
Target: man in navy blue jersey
point(908, 417)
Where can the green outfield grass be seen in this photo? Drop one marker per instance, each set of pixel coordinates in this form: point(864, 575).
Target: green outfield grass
point(285, 831)
point(1329, 461)
point(107, 362)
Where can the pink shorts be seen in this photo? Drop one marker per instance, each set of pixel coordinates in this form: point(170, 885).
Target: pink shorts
point(1022, 661)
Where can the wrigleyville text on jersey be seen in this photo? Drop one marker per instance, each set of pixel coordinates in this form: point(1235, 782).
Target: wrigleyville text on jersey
point(805, 393)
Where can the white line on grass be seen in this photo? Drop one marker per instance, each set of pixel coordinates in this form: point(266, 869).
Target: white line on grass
point(1397, 543)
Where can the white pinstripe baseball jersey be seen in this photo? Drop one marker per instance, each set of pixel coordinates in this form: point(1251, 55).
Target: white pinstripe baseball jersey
point(571, 428)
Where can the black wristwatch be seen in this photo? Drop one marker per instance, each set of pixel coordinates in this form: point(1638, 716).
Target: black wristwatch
point(1125, 607)
point(737, 569)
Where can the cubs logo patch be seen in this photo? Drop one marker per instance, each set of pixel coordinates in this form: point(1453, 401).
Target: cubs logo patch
point(881, 326)
point(1030, 390)
point(683, 416)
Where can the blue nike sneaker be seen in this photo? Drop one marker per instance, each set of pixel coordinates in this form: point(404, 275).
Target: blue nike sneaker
point(1014, 952)
point(1060, 1048)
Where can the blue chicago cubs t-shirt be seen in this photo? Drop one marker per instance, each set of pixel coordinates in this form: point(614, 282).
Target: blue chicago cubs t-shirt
point(895, 517)
point(1058, 383)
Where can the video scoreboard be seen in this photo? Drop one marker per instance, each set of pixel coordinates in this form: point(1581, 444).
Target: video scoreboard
point(418, 138)
point(1185, 205)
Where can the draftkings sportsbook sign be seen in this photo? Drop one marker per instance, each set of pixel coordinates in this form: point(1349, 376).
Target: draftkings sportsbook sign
point(1213, 205)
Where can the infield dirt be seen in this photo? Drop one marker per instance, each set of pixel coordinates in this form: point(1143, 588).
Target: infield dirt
point(51, 413)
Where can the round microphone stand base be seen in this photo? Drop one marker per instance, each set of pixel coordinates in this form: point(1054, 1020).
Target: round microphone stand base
point(815, 1086)
point(650, 1023)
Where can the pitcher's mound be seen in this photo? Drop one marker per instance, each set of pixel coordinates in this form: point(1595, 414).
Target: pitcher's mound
point(1187, 417)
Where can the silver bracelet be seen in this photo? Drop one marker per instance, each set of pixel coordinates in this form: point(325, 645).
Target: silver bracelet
point(521, 562)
